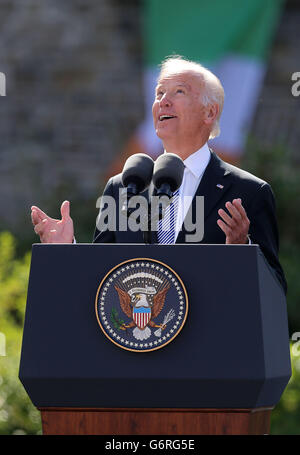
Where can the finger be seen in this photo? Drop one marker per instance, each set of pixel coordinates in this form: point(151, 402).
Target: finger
point(65, 210)
point(225, 228)
point(233, 211)
point(238, 204)
point(230, 221)
point(39, 212)
point(35, 217)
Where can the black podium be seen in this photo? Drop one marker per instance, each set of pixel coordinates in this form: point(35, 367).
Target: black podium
point(222, 374)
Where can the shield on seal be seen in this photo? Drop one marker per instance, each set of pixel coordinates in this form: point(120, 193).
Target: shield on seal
point(141, 316)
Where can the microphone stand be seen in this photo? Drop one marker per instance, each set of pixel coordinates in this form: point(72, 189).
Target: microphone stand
point(164, 196)
point(147, 234)
point(128, 192)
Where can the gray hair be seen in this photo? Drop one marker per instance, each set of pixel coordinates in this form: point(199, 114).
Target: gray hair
point(213, 89)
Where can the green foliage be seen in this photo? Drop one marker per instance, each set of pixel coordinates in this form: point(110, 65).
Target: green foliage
point(117, 322)
point(17, 414)
point(286, 415)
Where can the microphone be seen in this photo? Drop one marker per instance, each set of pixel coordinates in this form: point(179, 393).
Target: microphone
point(167, 178)
point(167, 174)
point(137, 173)
point(136, 177)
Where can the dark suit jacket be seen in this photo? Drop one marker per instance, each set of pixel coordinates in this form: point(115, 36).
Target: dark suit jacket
point(257, 199)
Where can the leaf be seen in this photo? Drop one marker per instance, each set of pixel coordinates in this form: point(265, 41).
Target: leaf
point(117, 322)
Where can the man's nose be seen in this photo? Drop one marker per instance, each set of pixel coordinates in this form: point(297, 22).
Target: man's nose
point(165, 101)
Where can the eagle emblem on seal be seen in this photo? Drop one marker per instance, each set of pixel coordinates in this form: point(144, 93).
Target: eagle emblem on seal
point(142, 306)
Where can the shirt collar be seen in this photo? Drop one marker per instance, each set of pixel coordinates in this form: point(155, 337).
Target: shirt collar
point(197, 162)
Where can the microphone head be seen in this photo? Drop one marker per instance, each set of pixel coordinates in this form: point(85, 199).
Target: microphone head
point(138, 171)
point(168, 169)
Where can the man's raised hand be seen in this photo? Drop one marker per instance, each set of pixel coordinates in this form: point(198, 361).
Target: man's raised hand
point(51, 230)
point(236, 226)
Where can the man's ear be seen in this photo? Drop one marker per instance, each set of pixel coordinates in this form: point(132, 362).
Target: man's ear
point(212, 112)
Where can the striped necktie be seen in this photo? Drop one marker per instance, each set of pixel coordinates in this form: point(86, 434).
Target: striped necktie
point(167, 226)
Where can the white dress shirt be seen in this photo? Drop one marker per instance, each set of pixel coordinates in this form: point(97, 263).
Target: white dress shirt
point(195, 166)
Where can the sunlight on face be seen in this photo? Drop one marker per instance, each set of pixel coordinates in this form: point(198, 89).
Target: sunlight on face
point(177, 110)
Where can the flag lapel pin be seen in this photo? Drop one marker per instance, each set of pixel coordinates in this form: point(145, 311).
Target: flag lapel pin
point(220, 186)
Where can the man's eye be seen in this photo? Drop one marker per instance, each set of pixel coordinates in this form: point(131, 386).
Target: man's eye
point(159, 94)
point(179, 90)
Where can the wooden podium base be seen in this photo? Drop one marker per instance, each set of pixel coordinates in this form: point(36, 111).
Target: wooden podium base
point(153, 421)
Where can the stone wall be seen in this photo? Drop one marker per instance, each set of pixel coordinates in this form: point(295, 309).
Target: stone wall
point(277, 119)
point(73, 96)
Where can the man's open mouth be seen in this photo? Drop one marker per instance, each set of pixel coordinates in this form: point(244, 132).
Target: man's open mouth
point(162, 118)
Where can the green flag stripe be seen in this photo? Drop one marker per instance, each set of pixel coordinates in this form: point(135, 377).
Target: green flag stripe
point(205, 30)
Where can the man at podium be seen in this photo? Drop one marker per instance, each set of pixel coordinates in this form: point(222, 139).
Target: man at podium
point(239, 207)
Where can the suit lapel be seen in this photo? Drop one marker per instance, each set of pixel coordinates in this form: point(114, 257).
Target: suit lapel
point(213, 186)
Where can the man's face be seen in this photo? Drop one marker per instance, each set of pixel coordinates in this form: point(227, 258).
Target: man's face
point(178, 112)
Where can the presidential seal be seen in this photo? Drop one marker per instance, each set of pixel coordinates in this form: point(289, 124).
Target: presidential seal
point(141, 305)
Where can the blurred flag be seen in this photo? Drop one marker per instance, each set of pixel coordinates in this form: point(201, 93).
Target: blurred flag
point(231, 38)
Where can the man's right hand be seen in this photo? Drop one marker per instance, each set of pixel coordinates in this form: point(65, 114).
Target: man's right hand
point(51, 230)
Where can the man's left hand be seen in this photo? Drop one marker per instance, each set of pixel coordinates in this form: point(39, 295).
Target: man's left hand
point(236, 226)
